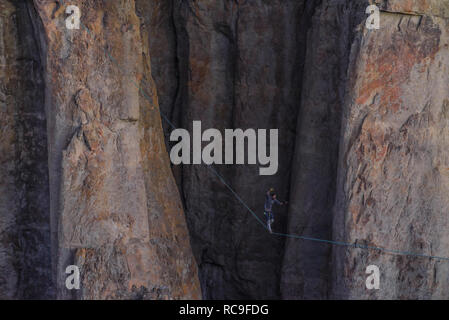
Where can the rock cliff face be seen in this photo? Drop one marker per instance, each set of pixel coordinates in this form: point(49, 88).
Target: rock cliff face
point(85, 179)
point(363, 132)
point(393, 176)
point(25, 270)
point(236, 67)
point(114, 209)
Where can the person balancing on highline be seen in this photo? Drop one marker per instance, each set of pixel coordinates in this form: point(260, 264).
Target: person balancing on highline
point(269, 200)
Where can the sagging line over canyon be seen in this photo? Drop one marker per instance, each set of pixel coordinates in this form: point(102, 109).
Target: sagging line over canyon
point(355, 133)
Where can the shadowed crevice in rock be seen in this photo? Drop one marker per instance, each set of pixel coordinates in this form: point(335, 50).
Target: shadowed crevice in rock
point(239, 65)
point(228, 58)
point(25, 264)
point(306, 269)
point(85, 177)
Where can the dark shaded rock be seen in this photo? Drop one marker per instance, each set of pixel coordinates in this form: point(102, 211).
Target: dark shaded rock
point(85, 178)
point(290, 65)
point(237, 67)
point(114, 209)
point(24, 193)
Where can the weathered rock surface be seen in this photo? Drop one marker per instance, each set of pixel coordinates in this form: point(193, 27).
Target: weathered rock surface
point(24, 192)
point(363, 118)
point(393, 166)
point(305, 270)
point(343, 92)
point(236, 67)
point(114, 209)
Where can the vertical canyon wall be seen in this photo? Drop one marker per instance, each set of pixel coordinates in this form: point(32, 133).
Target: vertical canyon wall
point(235, 65)
point(393, 177)
point(104, 192)
point(85, 178)
point(341, 96)
point(306, 270)
point(25, 270)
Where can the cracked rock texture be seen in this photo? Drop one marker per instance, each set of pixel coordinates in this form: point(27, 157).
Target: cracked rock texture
point(232, 60)
point(103, 197)
point(85, 177)
point(362, 140)
point(393, 177)
point(24, 190)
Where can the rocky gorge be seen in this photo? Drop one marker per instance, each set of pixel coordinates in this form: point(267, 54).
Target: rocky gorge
point(86, 178)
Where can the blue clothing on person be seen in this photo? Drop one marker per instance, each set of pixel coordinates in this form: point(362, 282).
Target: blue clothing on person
point(270, 199)
point(269, 202)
